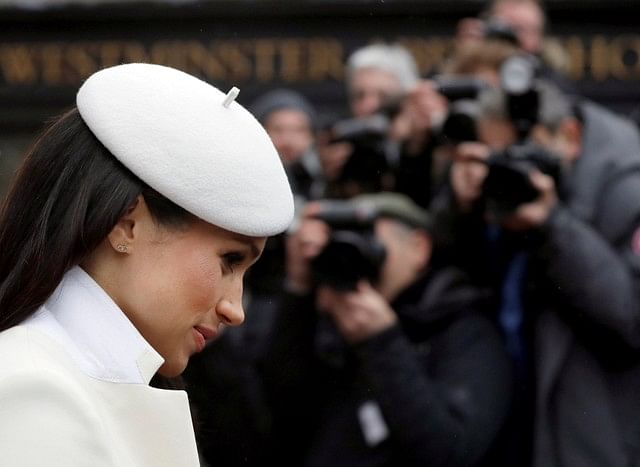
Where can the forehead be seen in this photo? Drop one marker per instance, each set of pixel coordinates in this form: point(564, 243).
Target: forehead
point(519, 12)
point(287, 116)
point(496, 133)
point(374, 78)
point(223, 237)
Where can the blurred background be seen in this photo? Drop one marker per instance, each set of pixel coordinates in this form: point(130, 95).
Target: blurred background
point(48, 47)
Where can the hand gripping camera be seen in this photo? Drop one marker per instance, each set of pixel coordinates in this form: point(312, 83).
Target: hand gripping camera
point(507, 184)
point(353, 253)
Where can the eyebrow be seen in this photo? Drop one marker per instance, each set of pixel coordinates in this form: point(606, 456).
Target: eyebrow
point(255, 251)
point(248, 242)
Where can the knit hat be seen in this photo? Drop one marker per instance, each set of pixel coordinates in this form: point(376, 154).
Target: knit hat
point(280, 99)
point(395, 206)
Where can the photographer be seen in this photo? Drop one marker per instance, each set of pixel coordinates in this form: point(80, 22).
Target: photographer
point(357, 153)
point(399, 369)
point(522, 23)
point(577, 267)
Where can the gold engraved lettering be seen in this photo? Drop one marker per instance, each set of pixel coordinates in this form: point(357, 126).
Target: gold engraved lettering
point(135, 52)
point(18, 65)
point(51, 56)
point(577, 57)
point(79, 61)
point(167, 53)
point(428, 53)
point(599, 58)
point(622, 47)
point(236, 62)
point(265, 53)
point(109, 53)
point(291, 60)
point(326, 60)
point(203, 62)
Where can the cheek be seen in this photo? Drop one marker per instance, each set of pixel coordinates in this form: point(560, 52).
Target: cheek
point(199, 278)
point(390, 266)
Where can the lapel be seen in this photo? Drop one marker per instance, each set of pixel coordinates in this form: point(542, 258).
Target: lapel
point(154, 425)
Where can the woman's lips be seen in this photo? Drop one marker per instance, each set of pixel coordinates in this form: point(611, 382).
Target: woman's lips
point(202, 335)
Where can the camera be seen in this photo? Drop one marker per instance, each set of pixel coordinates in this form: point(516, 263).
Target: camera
point(455, 88)
point(460, 122)
point(495, 29)
point(367, 165)
point(507, 184)
point(352, 253)
point(518, 76)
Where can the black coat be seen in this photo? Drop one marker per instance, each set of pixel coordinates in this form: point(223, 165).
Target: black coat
point(582, 300)
point(587, 332)
point(432, 390)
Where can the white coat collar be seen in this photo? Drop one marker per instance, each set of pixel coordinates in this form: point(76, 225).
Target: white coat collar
point(94, 330)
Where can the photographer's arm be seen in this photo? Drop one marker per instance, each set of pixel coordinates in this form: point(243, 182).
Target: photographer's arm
point(600, 276)
point(287, 363)
point(448, 414)
point(444, 413)
point(289, 370)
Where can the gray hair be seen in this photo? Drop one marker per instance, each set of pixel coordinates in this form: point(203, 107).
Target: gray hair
point(392, 58)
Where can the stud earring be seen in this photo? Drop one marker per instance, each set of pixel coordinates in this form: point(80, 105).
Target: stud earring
point(121, 247)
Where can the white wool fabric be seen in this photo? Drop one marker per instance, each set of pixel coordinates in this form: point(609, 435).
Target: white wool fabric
point(172, 130)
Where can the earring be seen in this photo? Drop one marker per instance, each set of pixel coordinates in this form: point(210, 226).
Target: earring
point(121, 247)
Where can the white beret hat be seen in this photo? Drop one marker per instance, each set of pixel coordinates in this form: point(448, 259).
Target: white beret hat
point(192, 143)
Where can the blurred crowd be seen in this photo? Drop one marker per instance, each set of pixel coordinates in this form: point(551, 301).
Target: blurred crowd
point(461, 285)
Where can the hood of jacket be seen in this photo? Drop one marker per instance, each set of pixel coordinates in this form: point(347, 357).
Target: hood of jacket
point(435, 300)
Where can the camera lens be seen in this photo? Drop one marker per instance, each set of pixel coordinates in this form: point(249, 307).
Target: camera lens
point(348, 258)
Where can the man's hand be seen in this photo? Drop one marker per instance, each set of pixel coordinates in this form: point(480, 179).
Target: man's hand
point(534, 214)
point(359, 314)
point(423, 108)
point(302, 246)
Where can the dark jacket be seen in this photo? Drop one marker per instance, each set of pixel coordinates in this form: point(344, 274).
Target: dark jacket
point(587, 332)
point(582, 304)
point(432, 390)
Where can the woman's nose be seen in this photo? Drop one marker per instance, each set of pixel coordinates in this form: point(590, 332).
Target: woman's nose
point(229, 309)
point(230, 312)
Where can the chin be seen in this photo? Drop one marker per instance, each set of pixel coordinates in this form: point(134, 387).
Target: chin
point(172, 369)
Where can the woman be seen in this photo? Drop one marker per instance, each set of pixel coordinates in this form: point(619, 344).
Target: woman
point(123, 242)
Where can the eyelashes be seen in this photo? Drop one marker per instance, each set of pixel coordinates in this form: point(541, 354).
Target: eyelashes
point(233, 259)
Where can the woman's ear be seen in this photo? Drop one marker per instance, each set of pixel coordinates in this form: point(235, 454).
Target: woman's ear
point(123, 236)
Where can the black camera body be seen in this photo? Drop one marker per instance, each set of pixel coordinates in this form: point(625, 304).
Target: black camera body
point(508, 185)
point(461, 92)
point(353, 253)
point(455, 88)
point(367, 162)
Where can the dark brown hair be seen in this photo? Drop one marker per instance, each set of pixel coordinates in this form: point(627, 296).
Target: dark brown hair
point(64, 200)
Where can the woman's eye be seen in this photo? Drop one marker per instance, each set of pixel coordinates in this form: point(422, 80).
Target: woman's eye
point(233, 259)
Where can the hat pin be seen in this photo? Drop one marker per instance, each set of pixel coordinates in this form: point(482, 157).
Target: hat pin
point(231, 96)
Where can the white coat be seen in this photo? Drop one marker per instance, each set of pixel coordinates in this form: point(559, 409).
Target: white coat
point(74, 389)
